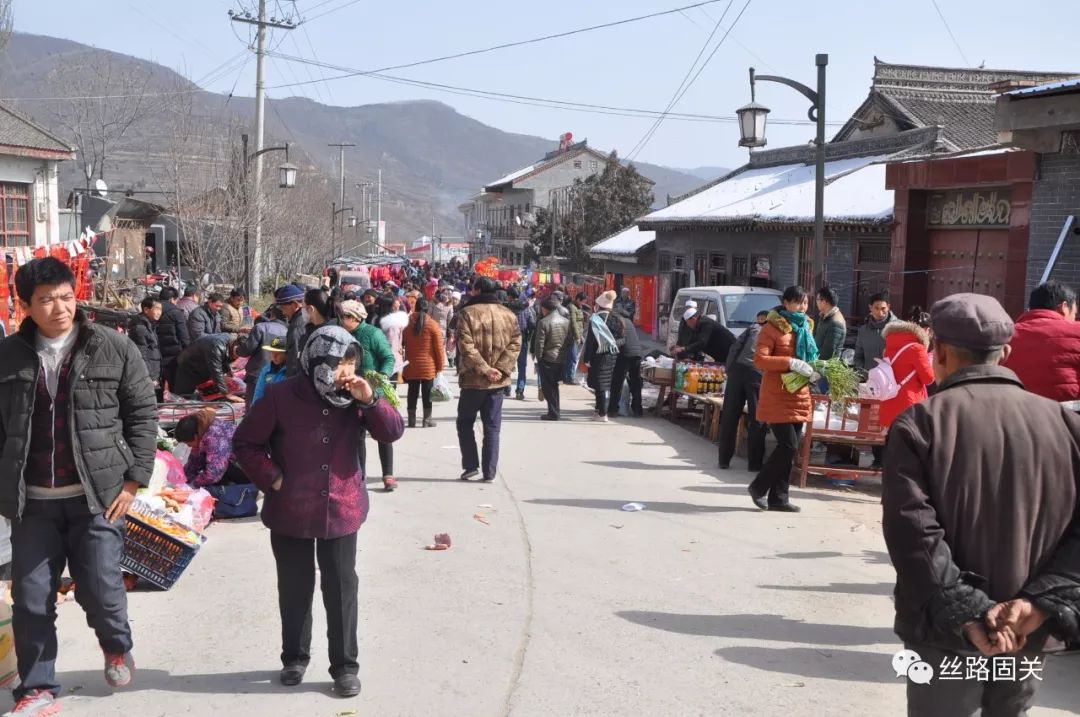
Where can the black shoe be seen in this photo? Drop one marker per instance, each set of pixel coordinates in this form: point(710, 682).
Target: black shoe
point(520, 396)
point(785, 508)
point(486, 479)
point(753, 469)
point(292, 675)
point(347, 685)
point(506, 392)
point(759, 500)
point(724, 466)
point(470, 474)
point(548, 417)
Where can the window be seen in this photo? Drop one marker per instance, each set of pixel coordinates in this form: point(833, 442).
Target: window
point(665, 261)
point(15, 211)
point(806, 263)
point(701, 274)
point(594, 165)
point(577, 164)
point(740, 270)
point(718, 270)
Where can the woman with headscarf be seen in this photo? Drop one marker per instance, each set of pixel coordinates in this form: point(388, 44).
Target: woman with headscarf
point(392, 321)
point(379, 357)
point(425, 357)
point(299, 445)
point(785, 344)
point(603, 340)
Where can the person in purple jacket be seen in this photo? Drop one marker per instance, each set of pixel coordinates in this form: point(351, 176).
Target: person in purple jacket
point(298, 444)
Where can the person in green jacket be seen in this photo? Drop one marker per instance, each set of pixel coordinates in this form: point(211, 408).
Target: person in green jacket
point(378, 356)
point(831, 326)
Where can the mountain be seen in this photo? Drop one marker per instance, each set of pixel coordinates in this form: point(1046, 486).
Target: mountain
point(706, 173)
point(433, 158)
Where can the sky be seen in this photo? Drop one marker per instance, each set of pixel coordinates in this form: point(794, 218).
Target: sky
point(637, 65)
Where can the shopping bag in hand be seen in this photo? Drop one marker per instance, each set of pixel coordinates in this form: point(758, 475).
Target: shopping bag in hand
point(440, 389)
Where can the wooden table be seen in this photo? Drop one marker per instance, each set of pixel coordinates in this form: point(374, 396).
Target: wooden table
point(864, 431)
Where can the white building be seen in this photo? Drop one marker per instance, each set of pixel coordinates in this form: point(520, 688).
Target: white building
point(29, 197)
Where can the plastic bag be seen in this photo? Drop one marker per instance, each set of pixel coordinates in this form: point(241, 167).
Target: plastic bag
point(440, 389)
point(173, 467)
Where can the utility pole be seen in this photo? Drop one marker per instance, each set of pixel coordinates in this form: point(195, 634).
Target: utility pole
point(433, 240)
point(341, 165)
point(261, 23)
point(378, 226)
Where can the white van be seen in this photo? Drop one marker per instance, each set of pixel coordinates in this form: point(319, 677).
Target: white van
point(736, 307)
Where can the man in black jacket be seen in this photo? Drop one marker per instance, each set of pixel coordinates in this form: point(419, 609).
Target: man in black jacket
point(979, 506)
point(143, 332)
point(204, 367)
point(627, 365)
point(290, 299)
point(741, 389)
point(206, 319)
point(172, 331)
point(708, 337)
point(78, 435)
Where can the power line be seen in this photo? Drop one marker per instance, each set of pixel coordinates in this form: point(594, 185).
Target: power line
point(675, 97)
point(296, 77)
point(948, 29)
point(331, 10)
point(314, 54)
point(537, 101)
point(519, 43)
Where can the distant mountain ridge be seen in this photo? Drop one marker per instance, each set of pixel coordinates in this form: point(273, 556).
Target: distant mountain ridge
point(433, 157)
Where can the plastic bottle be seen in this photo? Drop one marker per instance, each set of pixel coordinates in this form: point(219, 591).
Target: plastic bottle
point(680, 376)
point(692, 378)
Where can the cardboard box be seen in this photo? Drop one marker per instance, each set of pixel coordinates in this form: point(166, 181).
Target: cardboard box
point(663, 375)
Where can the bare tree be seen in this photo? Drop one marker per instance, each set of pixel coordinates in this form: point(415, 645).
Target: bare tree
point(7, 19)
point(108, 98)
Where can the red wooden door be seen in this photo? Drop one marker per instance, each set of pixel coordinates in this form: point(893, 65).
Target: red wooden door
point(967, 261)
point(990, 263)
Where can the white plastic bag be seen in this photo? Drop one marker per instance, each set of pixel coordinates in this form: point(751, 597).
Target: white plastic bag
point(440, 389)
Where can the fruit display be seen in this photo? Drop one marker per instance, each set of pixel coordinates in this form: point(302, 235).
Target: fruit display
point(161, 520)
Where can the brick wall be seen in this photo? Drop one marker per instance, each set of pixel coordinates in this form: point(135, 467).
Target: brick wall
point(1056, 195)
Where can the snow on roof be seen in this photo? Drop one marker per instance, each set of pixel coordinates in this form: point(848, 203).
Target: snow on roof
point(1043, 89)
point(855, 191)
point(512, 176)
point(627, 242)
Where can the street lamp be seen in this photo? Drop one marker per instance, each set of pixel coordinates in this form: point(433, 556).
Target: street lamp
point(286, 180)
point(752, 128)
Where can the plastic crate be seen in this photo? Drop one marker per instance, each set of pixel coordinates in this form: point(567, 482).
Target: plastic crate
point(153, 554)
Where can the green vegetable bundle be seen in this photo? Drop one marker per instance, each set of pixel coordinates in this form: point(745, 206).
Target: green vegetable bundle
point(382, 387)
point(843, 380)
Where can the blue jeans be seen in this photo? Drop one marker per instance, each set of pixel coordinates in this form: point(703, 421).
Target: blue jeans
point(523, 363)
point(570, 375)
point(50, 534)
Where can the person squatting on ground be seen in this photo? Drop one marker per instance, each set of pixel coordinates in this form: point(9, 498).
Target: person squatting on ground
point(979, 513)
point(79, 434)
point(489, 342)
point(299, 446)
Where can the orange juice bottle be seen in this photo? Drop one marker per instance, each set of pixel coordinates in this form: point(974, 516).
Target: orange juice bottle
point(692, 378)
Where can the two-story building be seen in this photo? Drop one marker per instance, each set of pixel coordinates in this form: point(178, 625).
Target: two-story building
point(500, 218)
point(29, 196)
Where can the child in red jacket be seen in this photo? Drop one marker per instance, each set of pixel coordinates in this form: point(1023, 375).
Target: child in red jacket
point(906, 346)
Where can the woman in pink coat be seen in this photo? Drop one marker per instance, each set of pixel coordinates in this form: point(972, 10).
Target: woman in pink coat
point(906, 346)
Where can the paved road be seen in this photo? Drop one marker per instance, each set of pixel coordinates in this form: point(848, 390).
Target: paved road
point(561, 604)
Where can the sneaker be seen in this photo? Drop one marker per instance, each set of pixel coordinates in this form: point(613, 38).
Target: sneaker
point(389, 484)
point(37, 703)
point(488, 479)
point(470, 474)
point(292, 675)
point(600, 419)
point(119, 670)
point(520, 395)
point(347, 685)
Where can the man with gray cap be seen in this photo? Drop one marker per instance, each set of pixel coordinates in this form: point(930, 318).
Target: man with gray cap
point(979, 492)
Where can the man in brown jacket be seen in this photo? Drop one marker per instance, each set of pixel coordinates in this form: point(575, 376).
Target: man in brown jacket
point(979, 492)
point(489, 341)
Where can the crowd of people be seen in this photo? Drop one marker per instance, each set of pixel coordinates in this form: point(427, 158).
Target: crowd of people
point(981, 465)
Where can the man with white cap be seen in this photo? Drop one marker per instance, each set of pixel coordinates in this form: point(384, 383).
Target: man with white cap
point(979, 499)
point(708, 336)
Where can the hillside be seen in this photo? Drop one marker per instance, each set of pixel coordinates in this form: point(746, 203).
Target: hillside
point(433, 158)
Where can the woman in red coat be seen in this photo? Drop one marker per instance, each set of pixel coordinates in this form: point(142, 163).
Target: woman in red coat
point(298, 444)
point(906, 346)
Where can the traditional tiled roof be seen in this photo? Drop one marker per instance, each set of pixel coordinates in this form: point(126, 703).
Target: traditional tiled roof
point(959, 100)
point(18, 132)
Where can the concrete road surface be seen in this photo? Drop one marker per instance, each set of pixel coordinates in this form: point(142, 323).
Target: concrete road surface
point(552, 601)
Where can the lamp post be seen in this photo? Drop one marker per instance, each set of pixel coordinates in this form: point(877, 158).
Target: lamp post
point(334, 211)
point(286, 180)
point(752, 128)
